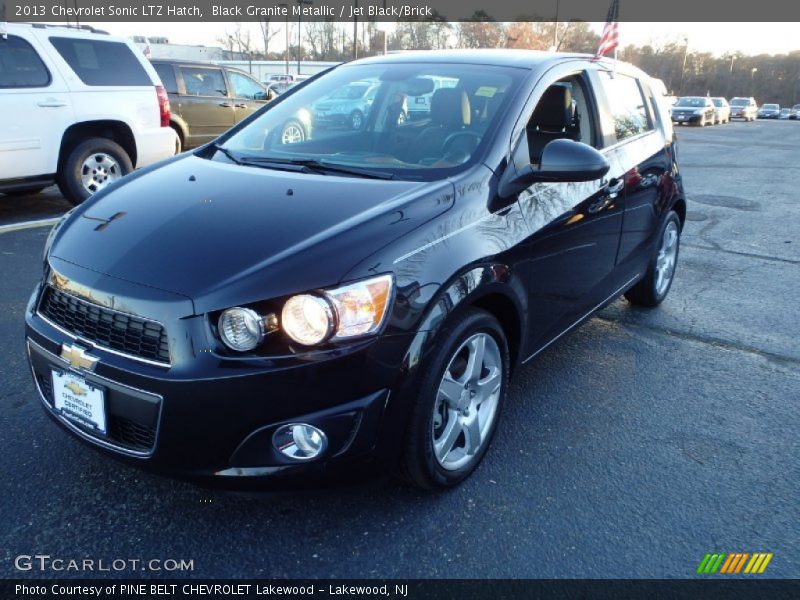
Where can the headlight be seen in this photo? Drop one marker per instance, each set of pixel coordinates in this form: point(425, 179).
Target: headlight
point(307, 319)
point(241, 329)
point(350, 311)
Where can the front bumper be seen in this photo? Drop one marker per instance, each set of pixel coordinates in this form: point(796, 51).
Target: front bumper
point(212, 421)
point(686, 118)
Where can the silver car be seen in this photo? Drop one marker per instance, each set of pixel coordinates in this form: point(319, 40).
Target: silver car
point(722, 110)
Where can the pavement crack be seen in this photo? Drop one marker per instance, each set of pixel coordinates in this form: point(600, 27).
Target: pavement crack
point(717, 248)
point(708, 340)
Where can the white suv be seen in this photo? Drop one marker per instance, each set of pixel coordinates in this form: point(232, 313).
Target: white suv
point(79, 107)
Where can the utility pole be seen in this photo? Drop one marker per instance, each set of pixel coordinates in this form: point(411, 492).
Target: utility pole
point(300, 4)
point(683, 68)
point(555, 29)
point(355, 31)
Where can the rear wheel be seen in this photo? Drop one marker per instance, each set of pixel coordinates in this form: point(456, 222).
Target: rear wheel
point(459, 403)
point(356, 120)
point(293, 133)
point(657, 281)
point(92, 165)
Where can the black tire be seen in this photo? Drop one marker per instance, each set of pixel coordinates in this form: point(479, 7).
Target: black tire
point(71, 172)
point(356, 120)
point(179, 140)
point(26, 192)
point(645, 292)
point(420, 465)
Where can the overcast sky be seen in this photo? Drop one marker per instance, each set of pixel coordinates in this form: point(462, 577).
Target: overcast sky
point(718, 38)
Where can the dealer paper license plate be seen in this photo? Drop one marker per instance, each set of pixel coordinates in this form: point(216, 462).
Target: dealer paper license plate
point(78, 400)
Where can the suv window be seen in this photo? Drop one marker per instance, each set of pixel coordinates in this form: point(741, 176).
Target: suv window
point(20, 65)
point(245, 87)
point(167, 75)
point(627, 105)
point(99, 62)
point(202, 81)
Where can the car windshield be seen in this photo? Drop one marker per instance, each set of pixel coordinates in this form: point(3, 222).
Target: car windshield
point(718, 102)
point(403, 120)
point(771, 106)
point(691, 102)
point(740, 102)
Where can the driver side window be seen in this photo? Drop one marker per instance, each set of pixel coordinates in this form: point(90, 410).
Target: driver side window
point(562, 112)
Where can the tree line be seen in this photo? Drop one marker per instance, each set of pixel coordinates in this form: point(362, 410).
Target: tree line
point(769, 78)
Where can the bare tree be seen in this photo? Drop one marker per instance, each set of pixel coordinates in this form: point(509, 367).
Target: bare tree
point(267, 33)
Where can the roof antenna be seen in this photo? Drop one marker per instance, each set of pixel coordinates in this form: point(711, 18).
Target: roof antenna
point(66, 12)
point(77, 18)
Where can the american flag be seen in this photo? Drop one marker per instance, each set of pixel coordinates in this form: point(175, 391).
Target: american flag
point(610, 38)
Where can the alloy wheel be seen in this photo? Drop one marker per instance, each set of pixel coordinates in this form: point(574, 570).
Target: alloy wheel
point(98, 171)
point(666, 258)
point(292, 134)
point(466, 402)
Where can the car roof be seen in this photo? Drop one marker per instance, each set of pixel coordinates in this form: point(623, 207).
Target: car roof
point(525, 59)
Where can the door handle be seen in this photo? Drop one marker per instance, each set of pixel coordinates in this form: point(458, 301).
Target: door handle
point(51, 103)
point(225, 104)
point(614, 187)
point(240, 105)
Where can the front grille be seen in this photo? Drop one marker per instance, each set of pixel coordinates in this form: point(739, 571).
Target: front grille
point(131, 434)
point(106, 327)
point(122, 431)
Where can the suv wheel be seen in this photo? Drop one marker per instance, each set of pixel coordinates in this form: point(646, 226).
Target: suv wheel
point(91, 166)
point(654, 286)
point(459, 403)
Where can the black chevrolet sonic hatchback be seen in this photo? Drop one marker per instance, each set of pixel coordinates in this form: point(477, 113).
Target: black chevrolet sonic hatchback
point(268, 310)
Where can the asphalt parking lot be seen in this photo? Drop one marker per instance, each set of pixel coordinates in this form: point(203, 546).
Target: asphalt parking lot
point(629, 449)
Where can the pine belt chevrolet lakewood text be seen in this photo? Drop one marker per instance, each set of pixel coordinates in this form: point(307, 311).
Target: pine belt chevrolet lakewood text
point(268, 310)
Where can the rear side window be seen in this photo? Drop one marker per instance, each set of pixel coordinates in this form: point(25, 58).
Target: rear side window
point(627, 105)
point(20, 65)
point(99, 62)
point(200, 81)
point(167, 75)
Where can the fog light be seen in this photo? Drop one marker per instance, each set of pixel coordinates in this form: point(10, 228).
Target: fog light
point(300, 441)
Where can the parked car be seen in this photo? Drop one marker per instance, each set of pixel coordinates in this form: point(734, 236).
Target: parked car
point(207, 98)
point(722, 110)
point(769, 111)
point(358, 301)
point(744, 108)
point(786, 113)
point(795, 114)
point(80, 108)
point(693, 110)
point(347, 106)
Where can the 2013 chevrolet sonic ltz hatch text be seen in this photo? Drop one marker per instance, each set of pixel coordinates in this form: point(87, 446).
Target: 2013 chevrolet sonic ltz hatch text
point(272, 311)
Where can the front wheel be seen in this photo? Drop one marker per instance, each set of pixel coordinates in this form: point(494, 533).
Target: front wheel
point(91, 166)
point(459, 402)
point(657, 281)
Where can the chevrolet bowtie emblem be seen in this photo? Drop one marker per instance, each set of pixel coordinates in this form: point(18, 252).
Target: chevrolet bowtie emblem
point(77, 357)
point(75, 389)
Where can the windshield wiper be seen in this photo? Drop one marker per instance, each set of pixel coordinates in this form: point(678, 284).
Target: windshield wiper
point(227, 153)
point(310, 165)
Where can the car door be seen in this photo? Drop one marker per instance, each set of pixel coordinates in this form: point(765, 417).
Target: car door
point(573, 227)
point(248, 94)
point(638, 137)
point(36, 110)
point(205, 103)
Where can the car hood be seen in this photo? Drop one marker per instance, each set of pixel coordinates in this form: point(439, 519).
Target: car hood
point(226, 234)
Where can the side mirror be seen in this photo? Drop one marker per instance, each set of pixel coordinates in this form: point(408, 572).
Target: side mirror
point(563, 161)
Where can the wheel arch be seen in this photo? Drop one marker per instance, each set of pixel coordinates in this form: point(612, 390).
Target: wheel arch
point(494, 288)
point(116, 131)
